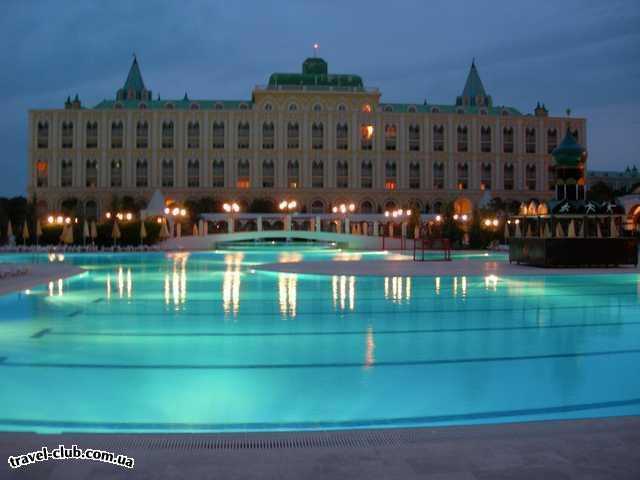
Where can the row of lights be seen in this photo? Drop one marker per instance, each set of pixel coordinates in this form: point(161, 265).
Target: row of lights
point(232, 207)
point(175, 212)
point(397, 213)
point(119, 215)
point(491, 222)
point(288, 205)
point(463, 218)
point(343, 208)
point(59, 220)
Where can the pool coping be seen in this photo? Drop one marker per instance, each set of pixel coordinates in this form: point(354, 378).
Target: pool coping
point(593, 448)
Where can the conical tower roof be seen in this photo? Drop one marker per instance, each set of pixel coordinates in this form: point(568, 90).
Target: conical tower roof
point(134, 88)
point(473, 86)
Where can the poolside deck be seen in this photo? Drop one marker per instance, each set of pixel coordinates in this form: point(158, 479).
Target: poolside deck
point(581, 449)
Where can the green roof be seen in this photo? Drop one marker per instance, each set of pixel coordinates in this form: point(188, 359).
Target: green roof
point(134, 78)
point(315, 73)
point(430, 107)
point(569, 153)
point(473, 86)
point(175, 104)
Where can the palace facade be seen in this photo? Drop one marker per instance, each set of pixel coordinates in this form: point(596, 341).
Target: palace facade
point(315, 137)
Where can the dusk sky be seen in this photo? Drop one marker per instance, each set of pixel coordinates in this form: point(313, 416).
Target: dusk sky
point(583, 55)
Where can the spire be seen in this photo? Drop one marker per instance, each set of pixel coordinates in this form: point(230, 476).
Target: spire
point(134, 87)
point(474, 92)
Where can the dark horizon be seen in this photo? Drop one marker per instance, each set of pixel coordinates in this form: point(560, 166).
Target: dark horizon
point(579, 55)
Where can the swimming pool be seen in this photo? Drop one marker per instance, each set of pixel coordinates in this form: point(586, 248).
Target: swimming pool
point(203, 342)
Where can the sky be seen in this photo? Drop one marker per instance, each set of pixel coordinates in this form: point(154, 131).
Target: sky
point(577, 54)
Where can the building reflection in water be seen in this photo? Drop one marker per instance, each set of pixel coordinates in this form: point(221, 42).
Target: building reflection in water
point(289, 257)
point(175, 283)
point(344, 291)
point(397, 289)
point(287, 293)
point(491, 282)
point(231, 283)
point(437, 285)
point(347, 257)
point(52, 288)
point(369, 355)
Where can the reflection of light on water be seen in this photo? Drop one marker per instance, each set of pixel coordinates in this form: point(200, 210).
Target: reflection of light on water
point(437, 285)
point(231, 283)
point(289, 257)
point(287, 292)
point(175, 284)
point(491, 282)
point(108, 286)
point(347, 256)
point(60, 283)
point(51, 289)
point(464, 286)
point(369, 357)
point(123, 283)
point(344, 288)
point(397, 289)
point(120, 282)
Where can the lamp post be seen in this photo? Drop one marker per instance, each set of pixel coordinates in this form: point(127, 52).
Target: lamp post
point(174, 213)
point(343, 210)
point(231, 208)
point(287, 207)
point(391, 216)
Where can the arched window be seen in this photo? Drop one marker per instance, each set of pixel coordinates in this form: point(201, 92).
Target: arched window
point(342, 107)
point(117, 135)
point(42, 173)
point(244, 172)
point(414, 138)
point(507, 140)
point(293, 174)
point(115, 173)
point(317, 206)
point(293, 135)
point(142, 173)
point(366, 207)
point(530, 176)
point(485, 176)
point(67, 135)
point(317, 107)
point(92, 135)
point(390, 137)
point(167, 134)
point(317, 136)
point(414, 175)
point(268, 135)
point(193, 173)
point(342, 136)
point(317, 174)
point(463, 139)
point(66, 173)
point(508, 176)
point(437, 206)
point(366, 136)
point(485, 139)
point(268, 107)
point(193, 135)
point(91, 174)
point(552, 140)
point(218, 135)
point(167, 173)
point(293, 107)
point(530, 140)
point(390, 175)
point(268, 174)
point(438, 175)
point(366, 108)
point(438, 138)
point(218, 106)
point(244, 135)
point(387, 108)
point(43, 135)
point(435, 110)
point(342, 174)
point(217, 174)
point(142, 135)
point(463, 176)
point(366, 174)
point(412, 109)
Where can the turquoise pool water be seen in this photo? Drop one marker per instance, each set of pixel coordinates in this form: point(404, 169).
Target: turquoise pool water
point(203, 342)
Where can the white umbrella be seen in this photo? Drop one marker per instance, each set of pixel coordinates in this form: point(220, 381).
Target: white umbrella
point(94, 230)
point(529, 232)
point(85, 232)
point(143, 231)
point(559, 230)
point(178, 230)
point(546, 230)
point(571, 233)
point(518, 233)
point(115, 232)
point(195, 230)
point(506, 230)
point(598, 229)
point(164, 232)
point(25, 233)
point(614, 228)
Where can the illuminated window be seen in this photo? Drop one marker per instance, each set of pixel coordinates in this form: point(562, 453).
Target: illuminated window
point(366, 137)
point(366, 108)
point(243, 174)
point(42, 173)
point(463, 176)
point(390, 175)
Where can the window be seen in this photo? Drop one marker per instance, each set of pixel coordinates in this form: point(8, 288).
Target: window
point(244, 133)
point(463, 139)
point(342, 136)
point(530, 140)
point(42, 173)
point(268, 107)
point(268, 135)
point(218, 106)
point(485, 176)
point(293, 135)
point(218, 135)
point(193, 135)
point(342, 107)
point(390, 175)
point(91, 174)
point(268, 174)
point(67, 135)
point(317, 174)
point(293, 107)
point(317, 136)
point(551, 172)
point(530, 177)
point(167, 134)
point(366, 108)
point(390, 137)
point(387, 108)
point(167, 173)
point(414, 138)
point(438, 138)
point(485, 139)
point(43, 135)
point(193, 173)
point(117, 135)
point(342, 174)
point(412, 109)
point(142, 135)
point(507, 140)
point(552, 140)
point(92, 135)
point(317, 107)
point(66, 173)
point(142, 173)
point(463, 176)
point(116, 174)
point(438, 176)
point(414, 175)
point(509, 178)
point(366, 137)
point(243, 180)
point(366, 174)
point(217, 174)
point(194, 106)
point(366, 207)
point(293, 174)
point(317, 206)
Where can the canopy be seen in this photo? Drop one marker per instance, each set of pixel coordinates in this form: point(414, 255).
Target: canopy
point(155, 208)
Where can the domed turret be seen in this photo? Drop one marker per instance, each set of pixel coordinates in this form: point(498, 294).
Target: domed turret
point(569, 160)
point(569, 153)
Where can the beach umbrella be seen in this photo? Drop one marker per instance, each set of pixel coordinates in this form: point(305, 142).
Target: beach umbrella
point(559, 230)
point(614, 228)
point(598, 229)
point(25, 233)
point(178, 230)
point(518, 233)
point(38, 231)
point(529, 232)
point(546, 231)
point(200, 226)
point(581, 232)
point(506, 230)
point(173, 229)
point(66, 236)
point(9, 231)
point(85, 232)
point(143, 231)
point(195, 230)
point(205, 226)
point(164, 232)
point(93, 233)
point(115, 232)
point(571, 232)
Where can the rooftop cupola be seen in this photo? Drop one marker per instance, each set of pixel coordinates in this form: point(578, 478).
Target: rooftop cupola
point(569, 153)
point(134, 88)
point(569, 162)
point(315, 74)
point(541, 110)
point(474, 93)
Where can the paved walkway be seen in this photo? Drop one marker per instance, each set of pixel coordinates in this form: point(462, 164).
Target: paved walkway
point(37, 274)
point(581, 449)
